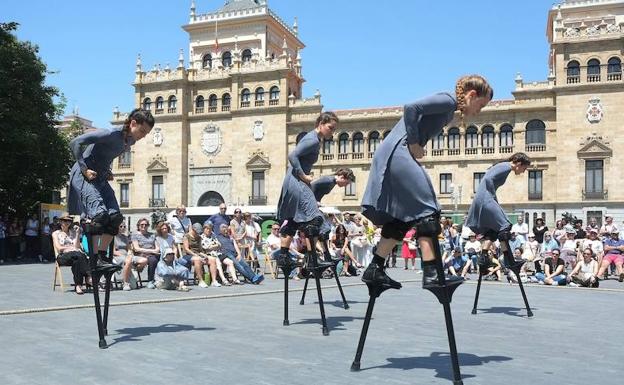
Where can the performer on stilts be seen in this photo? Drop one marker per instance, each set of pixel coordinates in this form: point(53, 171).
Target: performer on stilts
point(297, 207)
point(487, 217)
point(91, 196)
point(321, 187)
point(399, 194)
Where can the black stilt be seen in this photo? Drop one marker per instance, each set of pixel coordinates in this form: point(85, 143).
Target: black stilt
point(317, 278)
point(374, 291)
point(287, 268)
point(305, 288)
point(344, 299)
point(95, 279)
point(444, 292)
point(474, 307)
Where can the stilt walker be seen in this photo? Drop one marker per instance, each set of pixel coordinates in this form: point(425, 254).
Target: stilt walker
point(486, 217)
point(298, 210)
point(91, 196)
point(399, 195)
point(321, 187)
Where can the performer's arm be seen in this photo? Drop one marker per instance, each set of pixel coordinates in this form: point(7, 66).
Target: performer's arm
point(304, 147)
point(413, 112)
point(91, 137)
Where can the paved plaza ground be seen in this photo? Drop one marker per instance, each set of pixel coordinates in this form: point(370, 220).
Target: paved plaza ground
point(234, 335)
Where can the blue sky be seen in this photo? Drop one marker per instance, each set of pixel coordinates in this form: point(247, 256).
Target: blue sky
point(359, 54)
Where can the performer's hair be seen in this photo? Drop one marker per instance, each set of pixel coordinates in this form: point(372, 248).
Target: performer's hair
point(326, 117)
point(469, 83)
point(520, 157)
point(346, 172)
point(140, 116)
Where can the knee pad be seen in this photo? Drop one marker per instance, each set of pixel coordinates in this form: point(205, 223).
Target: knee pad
point(113, 225)
point(504, 235)
point(429, 227)
point(311, 230)
point(395, 230)
point(99, 224)
point(289, 229)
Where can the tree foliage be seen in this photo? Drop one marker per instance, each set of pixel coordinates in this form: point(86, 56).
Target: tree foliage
point(34, 158)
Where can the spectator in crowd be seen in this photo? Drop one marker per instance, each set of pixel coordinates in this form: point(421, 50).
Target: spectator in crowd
point(521, 229)
point(549, 244)
point(229, 248)
point(250, 239)
point(47, 253)
point(218, 219)
point(608, 227)
point(14, 234)
point(340, 246)
point(531, 253)
point(554, 270)
point(409, 249)
point(67, 246)
point(493, 265)
point(144, 245)
point(595, 244)
point(122, 255)
point(559, 234)
point(194, 256)
point(4, 227)
point(539, 229)
point(511, 276)
point(458, 264)
point(472, 248)
point(273, 240)
point(172, 274)
point(570, 247)
point(465, 232)
point(237, 230)
point(55, 224)
point(614, 250)
point(165, 240)
point(585, 273)
point(593, 224)
point(180, 224)
point(212, 248)
point(32, 237)
point(360, 247)
point(516, 241)
point(580, 233)
point(348, 223)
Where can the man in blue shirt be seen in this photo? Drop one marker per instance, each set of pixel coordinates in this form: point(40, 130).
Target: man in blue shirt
point(219, 219)
point(614, 253)
point(230, 249)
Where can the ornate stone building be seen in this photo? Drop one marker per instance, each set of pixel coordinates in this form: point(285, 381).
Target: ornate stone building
point(226, 121)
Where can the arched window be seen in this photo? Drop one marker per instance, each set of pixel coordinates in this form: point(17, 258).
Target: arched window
point(212, 103)
point(199, 104)
point(207, 61)
point(226, 59)
point(300, 136)
point(386, 133)
point(438, 142)
point(487, 137)
point(160, 104)
point(573, 72)
point(358, 144)
point(343, 145)
point(593, 70)
point(274, 96)
point(506, 136)
point(147, 104)
point(328, 147)
point(246, 55)
point(210, 198)
point(453, 139)
point(614, 69)
point(172, 104)
point(245, 96)
point(259, 95)
point(373, 141)
point(472, 140)
point(535, 135)
point(226, 99)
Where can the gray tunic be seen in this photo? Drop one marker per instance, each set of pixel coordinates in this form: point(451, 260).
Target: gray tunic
point(297, 201)
point(485, 213)
point(321, 187)
point(97, 196)
point(398, 186)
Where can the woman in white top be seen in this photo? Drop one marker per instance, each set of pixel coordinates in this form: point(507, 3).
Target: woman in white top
point(585, 272)
point(250, 240)
point(67, 246)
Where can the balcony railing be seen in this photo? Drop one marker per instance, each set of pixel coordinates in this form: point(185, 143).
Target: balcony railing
point(535, 196)
point(454, 151)
point(157, 202)
point(259, 103)
point(573, 79)
point(245, 104)
point(124, 204)
point(199, 110)
point(370, 155)
point(158, 111)
point(257, 200)
point(343, 156)
point(171, 110)
point(124, 164)
point(595, 195)
point(327, 157)
point(437, 152)
point(471, 151)
point(358, 155)
point(487, 150)
point(593, 78)
point(212, 109)
point(614, 76)
point(535, 147)
point(505, 149)
point(273, 102)
point(225, 108)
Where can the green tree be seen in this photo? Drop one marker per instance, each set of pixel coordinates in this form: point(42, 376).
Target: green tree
point(34, 158)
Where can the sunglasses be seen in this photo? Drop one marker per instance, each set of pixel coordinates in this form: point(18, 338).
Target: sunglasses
point(144, 224)
point(237, 212)
point(555, 254)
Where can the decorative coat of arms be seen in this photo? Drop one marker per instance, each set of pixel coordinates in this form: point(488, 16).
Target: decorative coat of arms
point(158, 136)
point(211, 139)
point(258, 130)
point(594, 110)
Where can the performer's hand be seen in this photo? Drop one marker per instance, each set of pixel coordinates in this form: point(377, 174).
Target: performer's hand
point(307, 179)
point(89, 174)
point(416, 150)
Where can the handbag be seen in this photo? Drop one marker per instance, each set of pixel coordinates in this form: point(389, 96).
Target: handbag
point(411, 245)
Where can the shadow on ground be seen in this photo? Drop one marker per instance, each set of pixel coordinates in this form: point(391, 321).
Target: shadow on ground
point(512, 311)
point(135, 334)
point(333, 323)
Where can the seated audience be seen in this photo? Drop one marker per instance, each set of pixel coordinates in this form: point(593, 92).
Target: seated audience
point(614, 249)
point(585, 273)
point(472, 248)
point(595, 244)
point(554, 270)
point(212, 248)
point(66, 243)
point(274, 241)
point(339, 244)
point(494, 266)
point(569, 247)
point(144, 245)
point(230, 249)
point(172, 274)
point(194, 256)
point(458, 264)
point(124, 256)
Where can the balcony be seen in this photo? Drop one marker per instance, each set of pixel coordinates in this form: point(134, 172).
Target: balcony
point(437, 152)
point(245, 104)
point(343, 156)
point(471, 151)
point(358, 155)
point(121, 164)
point(595, 195)
point(199, 110)
point(593, 78)
point(124, 204)
point(536, 147)
point(158, 111)
point(171, 110)
point(535, 196)
point(614, 76)
point(487, 150)
point(225, 108)
point(257, 200)
point(259, 103)
point(454, 151)
point(157, 202)
point(327, 156)
point(370, 155)
point(212, 109)
point(574, 79)
point(273, 102)
point(505, 149)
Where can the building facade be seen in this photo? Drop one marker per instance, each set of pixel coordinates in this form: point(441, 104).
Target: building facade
point(226, 120)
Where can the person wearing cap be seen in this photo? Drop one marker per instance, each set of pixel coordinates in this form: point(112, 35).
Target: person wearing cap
point(472, 248)
point(66, 242)
point(193, 255)
point(607, 229)
point(614, 253)
point(172, 275)
point(144, 245)
point(531, 253)
point(570, 246)
point(458, 264)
